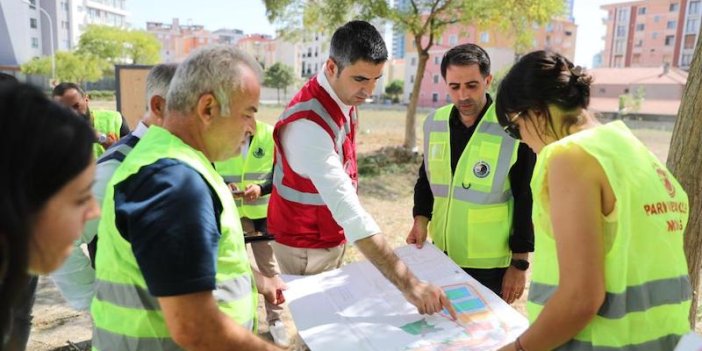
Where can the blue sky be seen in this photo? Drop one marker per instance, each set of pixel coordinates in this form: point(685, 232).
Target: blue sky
point(250, 16)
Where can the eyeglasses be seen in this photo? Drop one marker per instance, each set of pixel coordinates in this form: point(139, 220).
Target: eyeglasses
point(512, 129)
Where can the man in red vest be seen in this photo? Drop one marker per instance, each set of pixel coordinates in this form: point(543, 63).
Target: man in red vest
point(314, 208)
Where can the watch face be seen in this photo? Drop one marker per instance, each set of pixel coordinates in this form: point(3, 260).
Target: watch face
point(520, 264)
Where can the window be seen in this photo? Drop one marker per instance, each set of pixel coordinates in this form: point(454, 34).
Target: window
point(686, 59)
point(639, 43)
point(642, 10)
point(640, 27)
point(619, 46)
point(673, 7)
point(484, 37)
point(436, 60)
point(623, 14)
point(448, 98)
point(412, 78)
point(35, 43)
point(694, 8)
point(621, 31)
point(671, 24)
point(669, 40)
point(436, 79)
point(693, 25)
point(690, 41)
point(618, 61)
point(434, 97)
point(64, 24)
point(413, 61)
point(32, 4)
point(32, 23)
point(654, 35)
point(549, 27)
point(453, 39)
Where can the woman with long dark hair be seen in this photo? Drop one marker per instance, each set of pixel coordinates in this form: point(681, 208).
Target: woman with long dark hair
point(609, 269)
point(46, 171)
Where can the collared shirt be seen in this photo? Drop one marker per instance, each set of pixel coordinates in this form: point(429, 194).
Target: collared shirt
point(310, 153)
point(522, 238)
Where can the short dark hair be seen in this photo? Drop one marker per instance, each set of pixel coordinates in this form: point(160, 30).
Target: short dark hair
point(539, 79)
point(62, 88)
point(357, 40)
point(158, 80)
point(465, 55)
point(56, 146)
point(7, 78)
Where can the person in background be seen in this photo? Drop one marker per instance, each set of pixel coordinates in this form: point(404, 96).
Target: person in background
point(472, 194)
point(172, 270)
point(46, 170)
point(250, 177)
point(75, 279)
point(109, 126)
point(609, 268)
point(314, 207)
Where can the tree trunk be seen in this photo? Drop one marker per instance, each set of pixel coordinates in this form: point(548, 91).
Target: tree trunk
point(411, 117)
point(277, 91)
point(685, 162)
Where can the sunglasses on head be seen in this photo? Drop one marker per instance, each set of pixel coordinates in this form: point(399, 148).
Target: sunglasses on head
point(512, 129)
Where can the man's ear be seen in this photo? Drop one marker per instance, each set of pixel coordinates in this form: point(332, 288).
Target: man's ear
point(157, 105)
point(488, 80)
point(331, 67)
point(207, 107)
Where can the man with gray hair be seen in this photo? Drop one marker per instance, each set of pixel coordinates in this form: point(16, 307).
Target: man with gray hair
point(172, 269)
point(75, 279)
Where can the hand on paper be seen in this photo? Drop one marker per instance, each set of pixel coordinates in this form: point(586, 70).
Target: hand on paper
point(429, 299)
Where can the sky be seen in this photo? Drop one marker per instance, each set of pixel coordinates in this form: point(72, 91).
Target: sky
point(250, 16)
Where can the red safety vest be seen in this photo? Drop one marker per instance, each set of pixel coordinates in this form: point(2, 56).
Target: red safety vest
point(297, 215)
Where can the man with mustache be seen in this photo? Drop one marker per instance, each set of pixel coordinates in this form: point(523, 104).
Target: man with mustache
point(472, 194)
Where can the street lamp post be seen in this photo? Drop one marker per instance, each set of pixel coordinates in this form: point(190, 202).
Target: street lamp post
point(51, 37)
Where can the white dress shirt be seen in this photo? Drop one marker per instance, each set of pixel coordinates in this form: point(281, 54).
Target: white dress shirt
point(310, 153)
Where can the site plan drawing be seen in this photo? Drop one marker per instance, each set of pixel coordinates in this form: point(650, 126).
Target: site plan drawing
point(356, 308)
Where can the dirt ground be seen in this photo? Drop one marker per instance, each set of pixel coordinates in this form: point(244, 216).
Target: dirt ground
point(388, 197)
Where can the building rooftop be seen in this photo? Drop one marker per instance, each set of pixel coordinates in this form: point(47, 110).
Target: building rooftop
point(638, 75)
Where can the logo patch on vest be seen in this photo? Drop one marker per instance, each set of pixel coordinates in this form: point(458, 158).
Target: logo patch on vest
point(259, 153)
point(666, 182)
point(481, 169)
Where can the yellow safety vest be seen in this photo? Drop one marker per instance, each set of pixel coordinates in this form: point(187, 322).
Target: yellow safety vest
point(647, 286)
point(255, 169)
point(105, 122)
point(125, 315)
point(472, 214)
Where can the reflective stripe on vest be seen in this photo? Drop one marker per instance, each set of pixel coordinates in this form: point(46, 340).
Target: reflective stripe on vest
point(664, 343)
point(496, 195)
point(107, 340)
point(634, 299)
point(289, 193)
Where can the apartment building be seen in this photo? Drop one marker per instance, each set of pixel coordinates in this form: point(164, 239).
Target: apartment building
point(651, 33)
point(178, 40)
point(27, 27)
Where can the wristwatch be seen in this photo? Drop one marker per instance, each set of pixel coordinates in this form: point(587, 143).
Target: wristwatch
point(519, 264)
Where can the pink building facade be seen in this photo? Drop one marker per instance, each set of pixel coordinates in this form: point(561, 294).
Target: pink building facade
point(558, 35)
point(651, 33)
